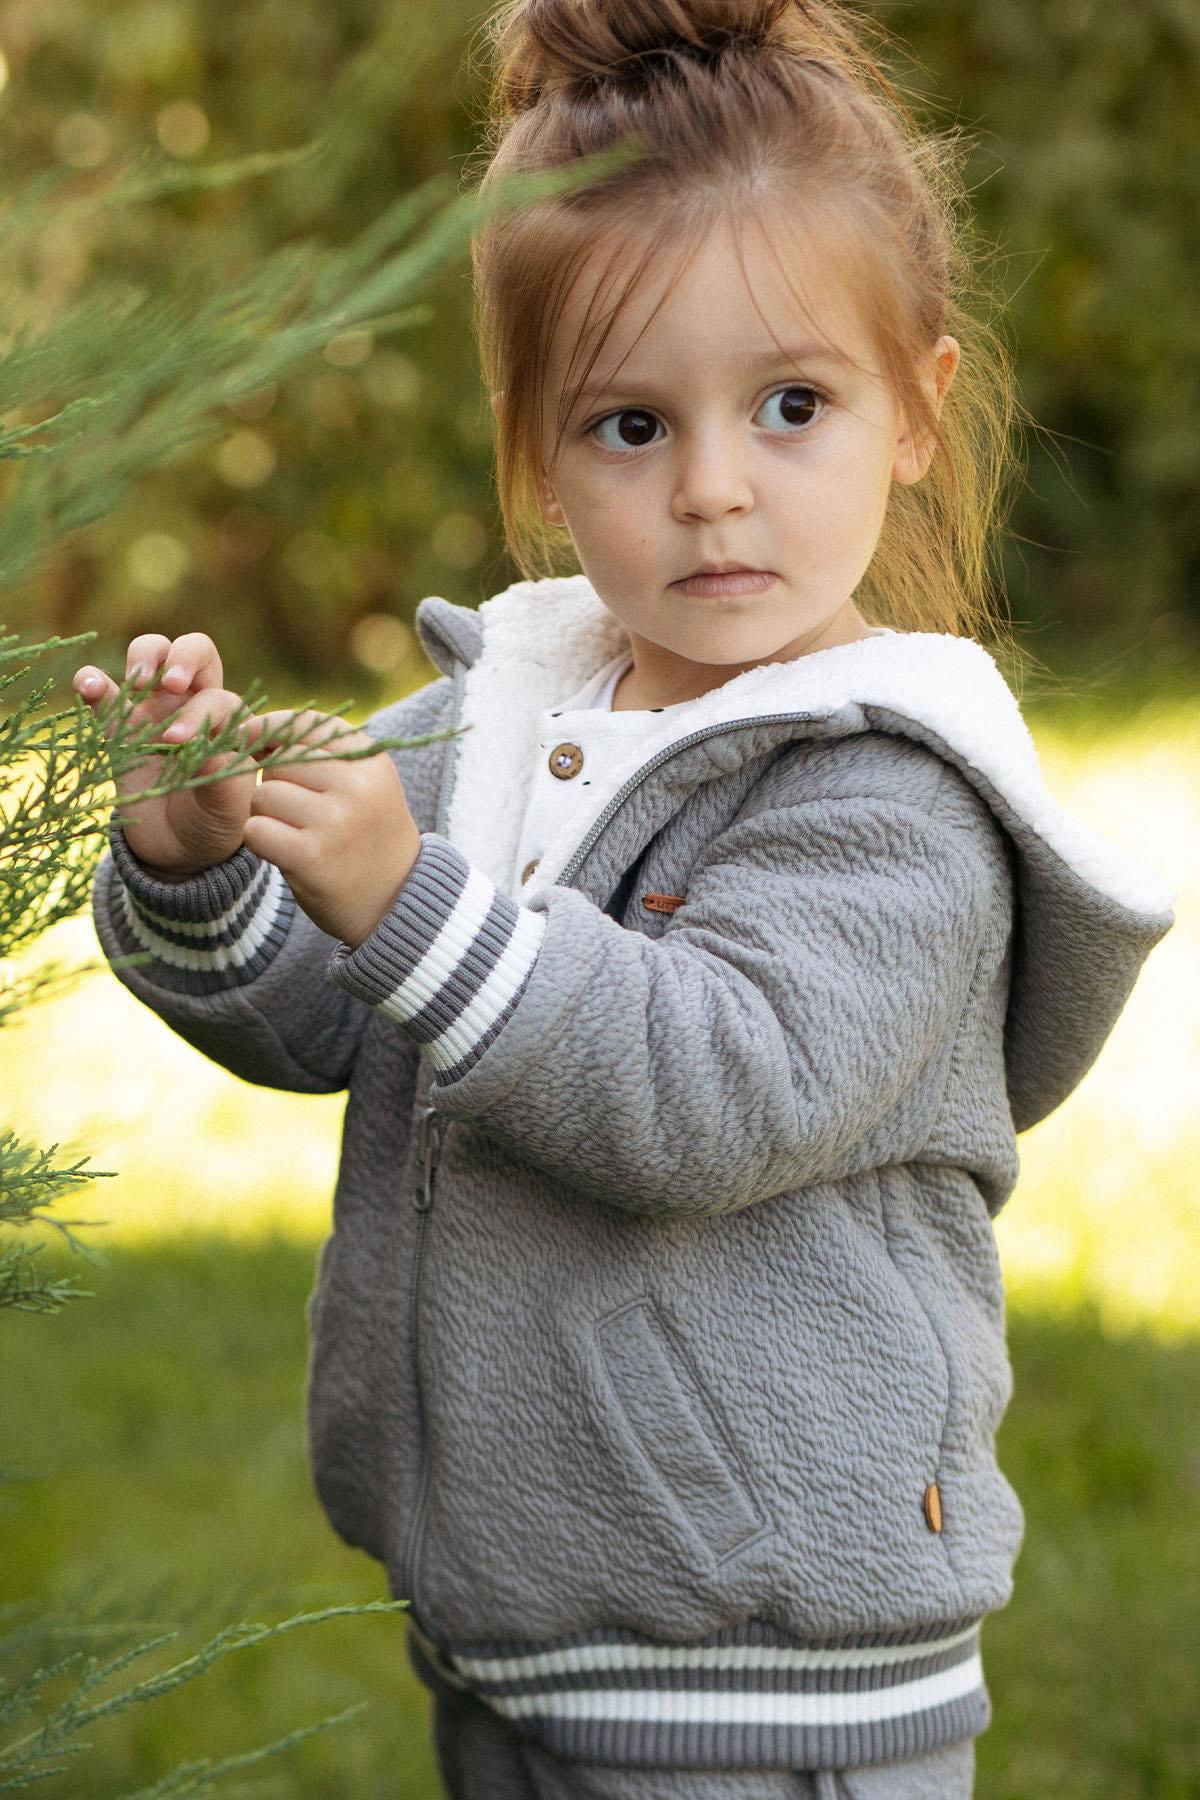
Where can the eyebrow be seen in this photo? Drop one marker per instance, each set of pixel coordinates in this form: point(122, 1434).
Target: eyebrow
point(791, 353)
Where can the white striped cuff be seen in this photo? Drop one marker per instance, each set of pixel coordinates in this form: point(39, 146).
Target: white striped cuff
point(448, 960)
point(218, 930)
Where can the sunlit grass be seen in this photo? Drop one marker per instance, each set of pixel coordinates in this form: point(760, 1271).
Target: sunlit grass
point(195, 1149)
point(1104, 1209)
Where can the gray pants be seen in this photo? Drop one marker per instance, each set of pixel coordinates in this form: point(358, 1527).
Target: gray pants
point(481, 1756)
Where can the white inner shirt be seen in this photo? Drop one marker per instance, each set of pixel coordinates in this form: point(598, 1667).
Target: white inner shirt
point(586, 724)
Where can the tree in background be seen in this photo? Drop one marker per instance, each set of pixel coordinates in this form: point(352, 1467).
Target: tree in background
point(1086, 178)
point(338, 495)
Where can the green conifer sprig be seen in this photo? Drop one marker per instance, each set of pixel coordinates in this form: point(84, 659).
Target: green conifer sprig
point(57, 775)
point(130, 745)
point(29, 1758)
point(56, 789)
point(134, 377)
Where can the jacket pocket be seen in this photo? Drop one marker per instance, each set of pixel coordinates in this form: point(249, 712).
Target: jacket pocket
point(671, 1431)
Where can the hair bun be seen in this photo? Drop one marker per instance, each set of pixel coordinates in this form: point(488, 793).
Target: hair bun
point(539, 45)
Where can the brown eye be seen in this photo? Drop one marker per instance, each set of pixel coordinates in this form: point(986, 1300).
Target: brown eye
point(634, 429)
point(798, 405)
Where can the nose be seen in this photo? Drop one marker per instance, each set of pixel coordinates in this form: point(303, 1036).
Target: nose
point(712, 478)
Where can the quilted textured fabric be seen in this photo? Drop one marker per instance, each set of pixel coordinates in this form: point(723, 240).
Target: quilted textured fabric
point(658, 1347)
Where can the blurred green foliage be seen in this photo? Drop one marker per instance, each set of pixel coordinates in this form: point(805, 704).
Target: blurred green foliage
point(346, 491)
point(338, 497)
point(1086, 179)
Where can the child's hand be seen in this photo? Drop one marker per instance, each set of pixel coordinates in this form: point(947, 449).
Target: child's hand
point(179, 834)
point(340, 831)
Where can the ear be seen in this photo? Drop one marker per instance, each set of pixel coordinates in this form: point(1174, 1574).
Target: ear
point(548, 505)
point(551, 511)
point(914, 455)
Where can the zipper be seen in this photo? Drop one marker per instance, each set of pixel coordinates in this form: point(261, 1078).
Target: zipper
point(571, 868)
point(431, 1130)
point(430, 1137)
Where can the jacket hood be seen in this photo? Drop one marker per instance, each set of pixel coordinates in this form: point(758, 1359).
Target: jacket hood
point(1086, 914)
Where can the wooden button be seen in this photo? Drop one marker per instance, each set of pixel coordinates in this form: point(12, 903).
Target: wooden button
point(530, 866)
point(566, 760)
point(664, 903)
point(933, 1507)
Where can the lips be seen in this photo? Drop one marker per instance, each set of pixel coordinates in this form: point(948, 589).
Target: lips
point(727, 568)
point(731, 581)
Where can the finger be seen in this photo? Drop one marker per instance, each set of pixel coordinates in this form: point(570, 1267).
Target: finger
point(306, 729)
point(193, 661)
point(93, 685)
point(271, 838)
point(99, 692)
point(144, 657)
point(215, 705)
point(287, 801)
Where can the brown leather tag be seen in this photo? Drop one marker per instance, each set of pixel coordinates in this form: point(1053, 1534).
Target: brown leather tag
point(664, 903)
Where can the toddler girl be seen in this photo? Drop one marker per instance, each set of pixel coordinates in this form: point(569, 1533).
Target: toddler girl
point(690, 1001)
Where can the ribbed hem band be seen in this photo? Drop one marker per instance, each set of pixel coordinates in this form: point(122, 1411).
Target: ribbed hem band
point(750, 1697)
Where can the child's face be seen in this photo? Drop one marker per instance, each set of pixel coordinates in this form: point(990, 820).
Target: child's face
point(707, 446)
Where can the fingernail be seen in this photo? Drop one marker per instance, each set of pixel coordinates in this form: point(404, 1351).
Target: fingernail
point(176, 670)
point(177, 733)
point(136, 672)
point(91, 684)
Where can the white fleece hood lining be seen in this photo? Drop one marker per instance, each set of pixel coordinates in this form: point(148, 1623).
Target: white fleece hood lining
point(542, 640)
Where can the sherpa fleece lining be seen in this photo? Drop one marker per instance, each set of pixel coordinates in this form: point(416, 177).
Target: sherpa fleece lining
point(542, 640)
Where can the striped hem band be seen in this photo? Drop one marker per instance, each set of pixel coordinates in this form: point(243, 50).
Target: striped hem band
point(448, 960)
point(750, 1697)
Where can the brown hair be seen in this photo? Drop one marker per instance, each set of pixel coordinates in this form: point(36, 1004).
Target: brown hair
point(731, 103)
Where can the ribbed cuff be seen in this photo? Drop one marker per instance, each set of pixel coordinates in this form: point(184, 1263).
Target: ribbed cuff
point(448, 960)
point(201, 898)
point(217, 930)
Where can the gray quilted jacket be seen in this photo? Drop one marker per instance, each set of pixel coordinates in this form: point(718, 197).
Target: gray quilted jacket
point(658, 1347)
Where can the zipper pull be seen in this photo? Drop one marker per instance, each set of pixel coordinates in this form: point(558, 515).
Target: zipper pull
point(430, 1132)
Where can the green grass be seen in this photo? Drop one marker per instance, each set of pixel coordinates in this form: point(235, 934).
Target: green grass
point(155, 1437)
point(155, 1468)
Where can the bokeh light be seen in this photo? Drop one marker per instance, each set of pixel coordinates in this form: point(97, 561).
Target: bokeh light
point(158, 560)
point(182, 128)
point(245, 459)
point(349, 348)
point(381, 642)
point(459, 540)
point(392, 379)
